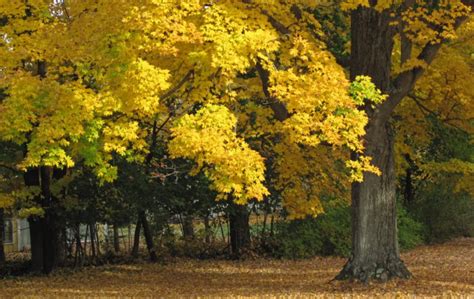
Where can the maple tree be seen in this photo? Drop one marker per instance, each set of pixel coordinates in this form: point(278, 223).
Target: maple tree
point(372, 45)
point(70, 103)
point(239, 87)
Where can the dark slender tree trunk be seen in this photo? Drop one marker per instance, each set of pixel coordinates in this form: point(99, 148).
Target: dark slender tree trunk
point(2, 233)
point(375, 252)
point(116, 239)
point(239, 230)
point(188, 227)
point(148, 237)
point(136, 238)
point(221, 226)
point(62, 247)
point(409, 190)
point(97, 240)
point(79, 255)
point(93, 243)
point(207, 230)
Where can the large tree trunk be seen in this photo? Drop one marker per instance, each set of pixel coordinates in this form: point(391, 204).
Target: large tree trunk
point(50, 243)
point(43, 230)
point(50, 224)
point(31, 178)
point(36, 240)
point(375, 252)
point(2, 233)
point(239, 229)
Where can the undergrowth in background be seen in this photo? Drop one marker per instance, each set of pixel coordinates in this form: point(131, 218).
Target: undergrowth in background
point(330, 234)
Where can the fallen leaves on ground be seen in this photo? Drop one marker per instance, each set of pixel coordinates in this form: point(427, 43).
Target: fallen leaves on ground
point(445, 270)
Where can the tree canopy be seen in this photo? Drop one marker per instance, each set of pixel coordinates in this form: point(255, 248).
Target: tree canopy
point(295, 102)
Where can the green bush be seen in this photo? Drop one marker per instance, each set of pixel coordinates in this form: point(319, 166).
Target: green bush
point(445, 214)
point(411, 232)
point(297, 239)
point(330, 234)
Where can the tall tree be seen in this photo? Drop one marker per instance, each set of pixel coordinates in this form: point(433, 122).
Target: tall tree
point(375, 246)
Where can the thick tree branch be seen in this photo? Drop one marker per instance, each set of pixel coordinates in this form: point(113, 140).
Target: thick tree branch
point(406, 44)
point(279, 109)
point(281, 113)
point(175, 88)
point(406, 81)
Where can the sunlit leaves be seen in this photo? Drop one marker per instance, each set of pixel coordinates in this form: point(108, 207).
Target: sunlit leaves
point(87, 80)
point(362, 89)
point(209, 138)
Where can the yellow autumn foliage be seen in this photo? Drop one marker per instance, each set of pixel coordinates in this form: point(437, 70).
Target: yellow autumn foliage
point(86, 80)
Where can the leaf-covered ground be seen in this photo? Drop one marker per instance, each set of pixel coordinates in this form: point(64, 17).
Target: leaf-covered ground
point(446, 270)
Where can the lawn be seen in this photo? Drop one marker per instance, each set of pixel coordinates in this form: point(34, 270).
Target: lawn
point(446, 269)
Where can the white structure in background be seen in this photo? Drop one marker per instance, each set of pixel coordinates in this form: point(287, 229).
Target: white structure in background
point(17, 235)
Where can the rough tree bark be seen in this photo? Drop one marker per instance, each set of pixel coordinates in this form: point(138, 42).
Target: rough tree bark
point(375, 252)
point(239, 229)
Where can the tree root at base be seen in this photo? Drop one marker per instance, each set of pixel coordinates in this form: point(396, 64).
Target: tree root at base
point(392, 268)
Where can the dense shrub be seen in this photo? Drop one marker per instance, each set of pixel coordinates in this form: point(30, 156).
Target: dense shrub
point(330, 234)
point(445, 214)
point(325, 235)
point(411, 232)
